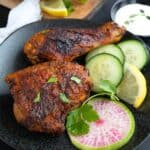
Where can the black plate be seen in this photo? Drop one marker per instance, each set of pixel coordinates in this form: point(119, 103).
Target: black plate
point(12, 59)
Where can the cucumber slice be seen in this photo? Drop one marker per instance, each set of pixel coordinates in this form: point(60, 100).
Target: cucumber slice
point(109, 49)
point(114, 129)
point(135, 52)
point(104, 67)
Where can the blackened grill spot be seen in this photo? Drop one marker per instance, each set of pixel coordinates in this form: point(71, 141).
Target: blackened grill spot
point(64, 47)
point(62, 41)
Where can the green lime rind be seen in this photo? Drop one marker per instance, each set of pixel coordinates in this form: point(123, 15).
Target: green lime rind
point(135, 52)
point(114, 146)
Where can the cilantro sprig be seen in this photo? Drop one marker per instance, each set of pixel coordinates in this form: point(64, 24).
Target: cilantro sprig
point(109, 88)
point(78, 120)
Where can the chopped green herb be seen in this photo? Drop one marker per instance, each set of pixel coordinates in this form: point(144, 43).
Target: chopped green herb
point(148, 17)
point(69, 5)
point(78, 118)
point(64, 98)
point(142, 11)
point(134, 15)
point(52, 80)
point(88, 113)
point(128, 22)
point(37, 99)
point(76, 79)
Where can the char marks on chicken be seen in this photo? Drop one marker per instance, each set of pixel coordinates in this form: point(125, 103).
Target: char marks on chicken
point(67, 44)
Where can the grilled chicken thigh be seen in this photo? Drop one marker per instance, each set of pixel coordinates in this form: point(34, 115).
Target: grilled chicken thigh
point(44, 94)
point(68, 44)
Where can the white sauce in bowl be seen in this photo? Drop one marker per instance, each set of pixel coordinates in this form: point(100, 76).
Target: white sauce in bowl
point(135, 18)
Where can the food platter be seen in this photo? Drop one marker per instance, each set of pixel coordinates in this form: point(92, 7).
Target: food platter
point(13, 59)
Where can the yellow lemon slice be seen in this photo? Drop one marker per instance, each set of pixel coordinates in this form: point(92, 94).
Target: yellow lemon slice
point(133, 88)
point(54, 7)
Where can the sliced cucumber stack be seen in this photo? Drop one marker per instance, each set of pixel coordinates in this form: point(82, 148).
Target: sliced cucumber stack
point(135, 53)
point(104, 67)
point(113, 130)
point(109, 49)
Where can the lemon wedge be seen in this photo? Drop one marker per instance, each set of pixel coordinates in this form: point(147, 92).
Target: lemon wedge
point(133, 88)
point(54, 7)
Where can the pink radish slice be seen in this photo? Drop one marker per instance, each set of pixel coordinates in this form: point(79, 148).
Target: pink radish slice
point(113, 130)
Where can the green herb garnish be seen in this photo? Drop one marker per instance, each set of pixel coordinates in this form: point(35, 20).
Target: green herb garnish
point(128, 22)
point(77, 120)
point(69, 5)
point(148, 17)
point(133, 16)
point(107, 86)
point(142, 11)
point(37, 99)
point(64, 98)
point(88, 113)
point(52, 80)
point(76, 79)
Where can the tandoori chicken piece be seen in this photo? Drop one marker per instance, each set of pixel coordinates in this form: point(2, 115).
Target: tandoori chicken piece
point(44, 94)
point(68, 44)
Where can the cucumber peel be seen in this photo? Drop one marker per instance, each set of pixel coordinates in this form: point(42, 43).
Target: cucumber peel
point(108, 49)
point(135, 52)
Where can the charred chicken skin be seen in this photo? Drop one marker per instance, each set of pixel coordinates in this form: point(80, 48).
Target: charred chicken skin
point(42, 105)
point(68, 44)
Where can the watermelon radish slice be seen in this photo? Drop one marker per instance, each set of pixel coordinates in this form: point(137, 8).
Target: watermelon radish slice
point(113, 130)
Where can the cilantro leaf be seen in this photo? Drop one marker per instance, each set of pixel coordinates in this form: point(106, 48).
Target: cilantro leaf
point(80, 128)
point(107, 86)
point(64, 98)
point(73, 117)
point(77, 120)
point(37, 98)
point(76, 79)
point(69, 5)
point(75, 125)
point(52, 80)
point(88, 113)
